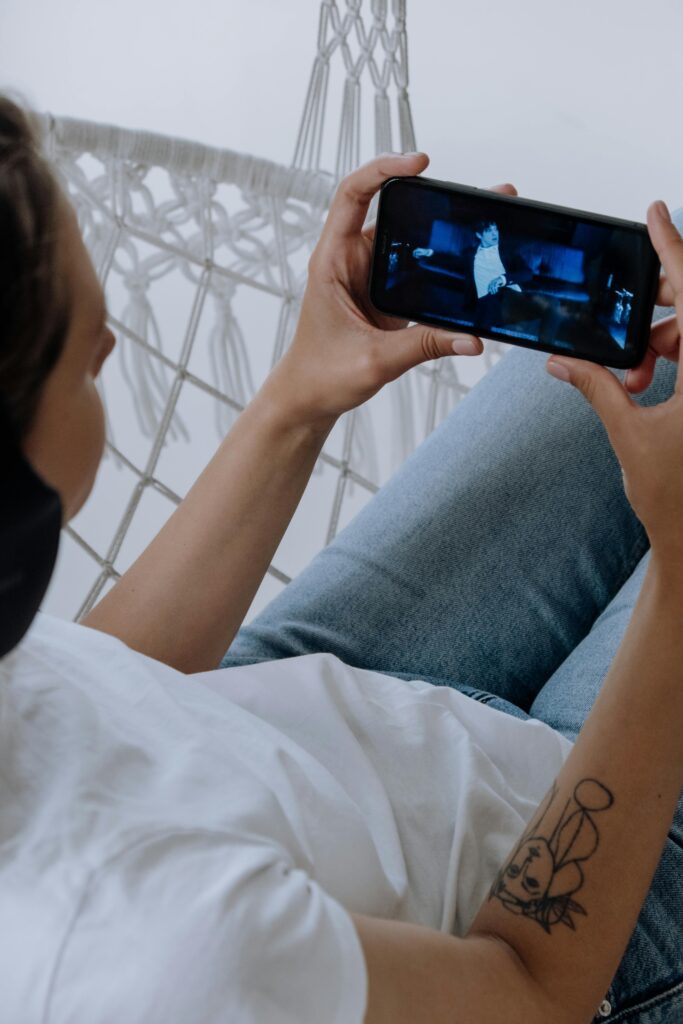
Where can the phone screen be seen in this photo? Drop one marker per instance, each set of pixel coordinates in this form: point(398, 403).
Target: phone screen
point(518, 270)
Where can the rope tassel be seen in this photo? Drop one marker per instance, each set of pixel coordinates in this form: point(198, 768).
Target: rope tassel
point(229, 362)
point(240, 228)
point(146, 376)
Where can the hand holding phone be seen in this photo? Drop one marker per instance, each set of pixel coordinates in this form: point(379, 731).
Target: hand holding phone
point(665, 341)
point(344, 350)
point(647, 440)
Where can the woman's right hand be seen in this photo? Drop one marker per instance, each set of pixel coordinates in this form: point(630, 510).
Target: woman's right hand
point(648, 441)
point(665, 339)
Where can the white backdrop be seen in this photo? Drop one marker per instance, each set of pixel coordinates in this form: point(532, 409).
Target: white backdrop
point(576, 105)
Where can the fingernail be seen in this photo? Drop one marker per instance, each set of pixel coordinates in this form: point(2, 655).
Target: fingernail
point(465, 347)
point(412, 154)
point(558, 370)
point(662, 211)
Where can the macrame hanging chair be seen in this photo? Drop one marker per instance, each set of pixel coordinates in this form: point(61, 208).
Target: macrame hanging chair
point(203, 254)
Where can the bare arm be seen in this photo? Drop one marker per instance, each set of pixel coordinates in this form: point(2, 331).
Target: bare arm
point(585, 863)
point(567, 899)
point(531, 966)
point(420, 976)
point(185, 597)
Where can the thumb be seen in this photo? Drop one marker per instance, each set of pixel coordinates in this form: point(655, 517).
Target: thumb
point(418, 344)
point(599, 386)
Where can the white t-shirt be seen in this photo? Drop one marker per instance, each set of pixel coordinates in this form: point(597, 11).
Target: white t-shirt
point(487, 267)
point(187, 848)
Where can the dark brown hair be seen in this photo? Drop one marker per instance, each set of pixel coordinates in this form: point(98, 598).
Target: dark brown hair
point(34, 311)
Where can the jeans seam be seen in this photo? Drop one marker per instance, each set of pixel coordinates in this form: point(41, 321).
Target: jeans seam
point(648, 1004)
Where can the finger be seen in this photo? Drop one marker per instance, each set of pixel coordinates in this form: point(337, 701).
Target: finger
point(669, 247)
point(665, 337)
point(507, 189)
point(369, 230)
point(665, 342)
point(602, 389)
point(350, 202)
point(420, 343)
point(638, 378)
point(665, 294)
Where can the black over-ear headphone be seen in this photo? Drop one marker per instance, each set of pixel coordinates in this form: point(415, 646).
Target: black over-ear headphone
point(30, 524)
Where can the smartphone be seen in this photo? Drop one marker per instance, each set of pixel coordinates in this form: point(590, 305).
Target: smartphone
point(517, 270)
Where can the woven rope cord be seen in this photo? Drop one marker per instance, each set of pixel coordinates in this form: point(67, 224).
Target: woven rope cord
point(162, 215)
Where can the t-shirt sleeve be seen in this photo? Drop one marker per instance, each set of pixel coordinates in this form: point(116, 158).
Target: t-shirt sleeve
point(193, 927)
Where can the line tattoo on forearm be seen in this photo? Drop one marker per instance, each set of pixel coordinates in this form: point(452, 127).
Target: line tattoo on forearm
point(543, 874)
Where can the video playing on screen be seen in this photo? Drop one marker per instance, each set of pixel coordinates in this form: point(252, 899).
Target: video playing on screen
point(523, 273)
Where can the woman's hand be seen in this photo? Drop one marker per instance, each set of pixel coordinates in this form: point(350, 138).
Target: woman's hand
point(648, 442)
point(665, 338)
point(343, 350)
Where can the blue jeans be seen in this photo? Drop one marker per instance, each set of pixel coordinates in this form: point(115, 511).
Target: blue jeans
point(502, 559)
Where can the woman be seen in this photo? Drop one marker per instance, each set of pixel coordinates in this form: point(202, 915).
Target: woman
point(317, 832)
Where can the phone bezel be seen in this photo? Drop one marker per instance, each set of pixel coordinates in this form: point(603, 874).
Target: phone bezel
point(643, 306)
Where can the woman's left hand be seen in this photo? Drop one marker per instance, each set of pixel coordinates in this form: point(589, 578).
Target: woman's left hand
point(343, 350)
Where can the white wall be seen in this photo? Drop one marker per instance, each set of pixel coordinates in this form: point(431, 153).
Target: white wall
point(576, 104)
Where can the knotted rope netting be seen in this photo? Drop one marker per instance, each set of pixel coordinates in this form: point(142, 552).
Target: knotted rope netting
point(203, 255)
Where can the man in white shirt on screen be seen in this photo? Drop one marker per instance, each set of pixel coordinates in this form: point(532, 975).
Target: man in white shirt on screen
point(489, 273)
point(501, 302)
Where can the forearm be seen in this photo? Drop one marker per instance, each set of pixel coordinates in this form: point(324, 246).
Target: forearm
point(186, 596)
point(630, 747)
